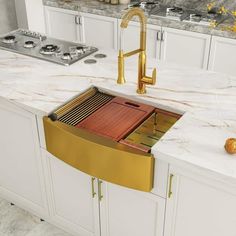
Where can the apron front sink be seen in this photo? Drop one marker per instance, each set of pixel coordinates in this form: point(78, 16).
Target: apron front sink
point(108, 137)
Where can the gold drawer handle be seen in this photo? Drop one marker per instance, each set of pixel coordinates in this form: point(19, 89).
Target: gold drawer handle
point(93, 191)
point(170, 186)
point(100, 196)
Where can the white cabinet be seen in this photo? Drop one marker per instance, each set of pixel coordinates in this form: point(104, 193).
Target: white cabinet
point(199, 206)
point(99, 31)
point(223, 55)
point(131, 38)
point(128, 212)
point(74, 207)
point(85, 206)
point(63, 24)
point(185, 48)
point(93, 30)
point(21, 173)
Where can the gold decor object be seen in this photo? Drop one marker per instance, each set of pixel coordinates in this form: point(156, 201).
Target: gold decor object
point(226, 14)
point(230, 145)
point(143, 80)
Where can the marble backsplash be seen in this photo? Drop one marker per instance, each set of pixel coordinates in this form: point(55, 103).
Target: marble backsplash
point(199, 4)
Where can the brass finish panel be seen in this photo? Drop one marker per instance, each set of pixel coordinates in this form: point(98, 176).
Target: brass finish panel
point(99, 157)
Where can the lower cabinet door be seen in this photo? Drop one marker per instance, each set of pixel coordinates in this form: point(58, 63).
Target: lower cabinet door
point(223, 55)
point(75, 208)
point(126, 212)
point(199, 206)
point(21, 172)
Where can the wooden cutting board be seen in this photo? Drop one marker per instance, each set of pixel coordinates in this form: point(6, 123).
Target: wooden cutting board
point(117, 118)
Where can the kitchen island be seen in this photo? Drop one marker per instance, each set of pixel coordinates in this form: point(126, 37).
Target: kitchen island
point(193, 173)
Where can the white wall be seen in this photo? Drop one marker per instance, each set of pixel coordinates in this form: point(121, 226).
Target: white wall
point(21, 14)
point(8, 20)
point(30, 15)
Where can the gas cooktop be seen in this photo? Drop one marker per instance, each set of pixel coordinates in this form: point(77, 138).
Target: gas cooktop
point(40, 46)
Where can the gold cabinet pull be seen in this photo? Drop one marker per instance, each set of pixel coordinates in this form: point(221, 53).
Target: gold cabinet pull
point(93, 191)
point(100, 196)
point(170, 186)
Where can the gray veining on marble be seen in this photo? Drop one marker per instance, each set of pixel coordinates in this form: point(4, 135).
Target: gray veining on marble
point(17, 222)
point(101, 8)
point(23, 81)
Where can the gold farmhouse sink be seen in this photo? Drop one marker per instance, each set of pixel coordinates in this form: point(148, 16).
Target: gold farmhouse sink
point(108, 137)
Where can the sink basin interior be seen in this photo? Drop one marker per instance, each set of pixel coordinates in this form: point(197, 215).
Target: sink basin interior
point(151, 130)
point(122, 120)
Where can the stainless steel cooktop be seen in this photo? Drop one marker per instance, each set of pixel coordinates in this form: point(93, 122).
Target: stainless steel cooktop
point(40, 46)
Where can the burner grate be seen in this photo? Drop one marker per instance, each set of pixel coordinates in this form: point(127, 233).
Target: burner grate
point(9, 39)
point(49, 49)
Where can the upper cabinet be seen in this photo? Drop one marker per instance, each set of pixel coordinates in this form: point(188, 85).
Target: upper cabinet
point(223, 55)
point(99, 31)
point(198, 205)
point(185, 48)
point(63, 24)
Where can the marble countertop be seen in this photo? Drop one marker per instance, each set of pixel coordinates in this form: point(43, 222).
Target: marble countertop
point(207, 100)
point(104, 9)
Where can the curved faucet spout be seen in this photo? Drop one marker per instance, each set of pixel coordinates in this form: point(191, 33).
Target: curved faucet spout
point(130, 14)
point(142, 19)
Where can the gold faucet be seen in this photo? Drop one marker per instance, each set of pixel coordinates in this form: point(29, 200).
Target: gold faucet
point(142, 78)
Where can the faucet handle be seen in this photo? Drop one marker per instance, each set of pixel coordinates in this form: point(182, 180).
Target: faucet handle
point(150, 80)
